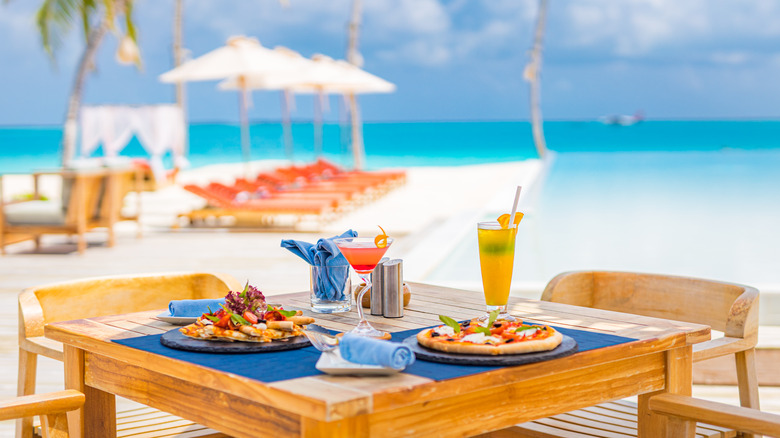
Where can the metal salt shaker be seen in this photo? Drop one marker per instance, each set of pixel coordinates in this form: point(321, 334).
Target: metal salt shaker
point(377, 280)
point(393, 288)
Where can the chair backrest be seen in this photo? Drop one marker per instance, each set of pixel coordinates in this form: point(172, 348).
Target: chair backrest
point(83, 194)
point(93, 297)
point(727, 307)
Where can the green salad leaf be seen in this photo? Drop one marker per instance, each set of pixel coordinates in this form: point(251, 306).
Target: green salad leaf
point(238, 319)
point(450, 322)
point(285, 313)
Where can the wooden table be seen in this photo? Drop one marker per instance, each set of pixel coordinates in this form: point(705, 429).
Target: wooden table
point(400, 405)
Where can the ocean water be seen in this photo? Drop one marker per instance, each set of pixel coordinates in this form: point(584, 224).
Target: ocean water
point(697, 198)
point(24, 149)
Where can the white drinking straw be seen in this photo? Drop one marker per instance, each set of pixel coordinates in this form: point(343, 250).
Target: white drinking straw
point(514, 208)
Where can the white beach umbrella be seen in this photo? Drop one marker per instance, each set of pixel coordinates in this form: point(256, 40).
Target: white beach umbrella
point(323, 75)
point(240, 58)
point(275, 81)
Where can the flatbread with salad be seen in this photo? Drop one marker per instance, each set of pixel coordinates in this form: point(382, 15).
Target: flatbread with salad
point(246, 317)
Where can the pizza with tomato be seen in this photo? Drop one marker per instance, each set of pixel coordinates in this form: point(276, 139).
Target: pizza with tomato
point(246, 317)
point(489, 337)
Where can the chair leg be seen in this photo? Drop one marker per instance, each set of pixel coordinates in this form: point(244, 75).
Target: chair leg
point(54, 426)
point(81, 244)
point(747, 380)
point(28, 365)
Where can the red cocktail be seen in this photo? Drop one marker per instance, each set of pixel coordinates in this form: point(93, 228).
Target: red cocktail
point(363, 254)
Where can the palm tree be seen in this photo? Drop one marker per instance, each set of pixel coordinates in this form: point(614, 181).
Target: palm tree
point(54, 20)
point(354, 58)
point(532, 74)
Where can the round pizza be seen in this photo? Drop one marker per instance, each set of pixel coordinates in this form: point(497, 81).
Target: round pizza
point(501, 337)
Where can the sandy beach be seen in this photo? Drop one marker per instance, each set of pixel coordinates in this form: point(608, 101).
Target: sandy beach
point(427, 216)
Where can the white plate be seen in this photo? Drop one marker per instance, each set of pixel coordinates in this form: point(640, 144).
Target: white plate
point(176, 320)
point(331, 362)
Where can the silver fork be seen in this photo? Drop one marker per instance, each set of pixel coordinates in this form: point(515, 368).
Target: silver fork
point(320, 340)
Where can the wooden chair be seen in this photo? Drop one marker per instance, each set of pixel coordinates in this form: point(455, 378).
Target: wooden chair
point(732, 417)
point(726, 307)
point(52, 408)
point(90, 199)
point(103, 296)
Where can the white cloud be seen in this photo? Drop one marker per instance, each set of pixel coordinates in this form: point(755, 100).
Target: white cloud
point(658, 28)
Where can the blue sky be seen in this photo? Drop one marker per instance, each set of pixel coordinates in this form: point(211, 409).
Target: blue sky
point(451, 60)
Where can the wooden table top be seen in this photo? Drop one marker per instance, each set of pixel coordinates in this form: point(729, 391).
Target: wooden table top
point(330, 398)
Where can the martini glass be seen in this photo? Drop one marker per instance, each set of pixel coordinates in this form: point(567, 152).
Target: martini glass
point(363, 254)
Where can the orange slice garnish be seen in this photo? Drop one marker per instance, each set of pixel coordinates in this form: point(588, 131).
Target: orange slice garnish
point(381, 240)
point(504, 219)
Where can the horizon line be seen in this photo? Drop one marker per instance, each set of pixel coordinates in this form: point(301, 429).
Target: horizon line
point(369, 122)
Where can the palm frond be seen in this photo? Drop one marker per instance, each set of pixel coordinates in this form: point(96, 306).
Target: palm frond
point(54, 19)
point(131, 32)
point(109, 7)
point(88, 8)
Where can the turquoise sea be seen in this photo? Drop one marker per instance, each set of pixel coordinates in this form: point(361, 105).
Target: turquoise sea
point(23, 149)
point(699, 198)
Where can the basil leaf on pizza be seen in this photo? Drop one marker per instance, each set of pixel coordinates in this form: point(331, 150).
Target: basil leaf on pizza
point(450, 322)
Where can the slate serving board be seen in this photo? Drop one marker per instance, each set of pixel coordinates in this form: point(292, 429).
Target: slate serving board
point(175, 339)
point(568, 347)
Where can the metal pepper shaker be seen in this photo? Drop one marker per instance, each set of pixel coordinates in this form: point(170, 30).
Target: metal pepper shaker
point(393, 288)
point(377, 280)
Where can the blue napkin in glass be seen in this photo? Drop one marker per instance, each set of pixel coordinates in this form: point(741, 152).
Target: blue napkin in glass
point(193, 308)
point(370, 351)
point(329, 284)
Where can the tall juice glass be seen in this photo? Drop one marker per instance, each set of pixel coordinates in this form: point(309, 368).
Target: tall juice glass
point(496, 259)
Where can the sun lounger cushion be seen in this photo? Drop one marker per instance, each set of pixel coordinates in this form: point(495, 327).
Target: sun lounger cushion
point(35, 212)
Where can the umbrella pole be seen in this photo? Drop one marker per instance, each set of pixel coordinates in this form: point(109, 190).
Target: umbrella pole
point(358, 153)
point(286, 126)
point(318, 125)
point(245, 141)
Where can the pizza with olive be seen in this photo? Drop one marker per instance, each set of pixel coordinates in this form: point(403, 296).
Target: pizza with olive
point(489, 337)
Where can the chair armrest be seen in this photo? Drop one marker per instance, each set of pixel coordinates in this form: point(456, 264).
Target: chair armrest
point(721, 347)
point(719, 414)
point(41, 404)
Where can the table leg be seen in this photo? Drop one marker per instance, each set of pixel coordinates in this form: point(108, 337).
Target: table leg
point(98, 416)
point(679, 366)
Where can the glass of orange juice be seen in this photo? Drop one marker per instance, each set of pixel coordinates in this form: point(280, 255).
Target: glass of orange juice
point(496, 258)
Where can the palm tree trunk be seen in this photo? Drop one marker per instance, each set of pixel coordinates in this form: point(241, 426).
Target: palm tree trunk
point(354, 58)
point(533, 76)
point(74, 101)
point(178, 57)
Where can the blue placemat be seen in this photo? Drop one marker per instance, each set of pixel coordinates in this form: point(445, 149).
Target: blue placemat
point(285, 365)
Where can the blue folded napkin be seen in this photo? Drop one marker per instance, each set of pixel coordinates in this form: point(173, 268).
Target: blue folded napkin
point(193, 308)
point(370, 351)
point(329, 284)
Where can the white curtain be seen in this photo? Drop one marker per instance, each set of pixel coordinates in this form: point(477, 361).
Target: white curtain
point(159, 128)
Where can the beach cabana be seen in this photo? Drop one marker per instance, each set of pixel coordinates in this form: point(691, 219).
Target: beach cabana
point(240, 58)
point(322, 76)
point(159, 129)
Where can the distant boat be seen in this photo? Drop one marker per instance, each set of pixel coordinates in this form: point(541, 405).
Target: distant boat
point(622, 119)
